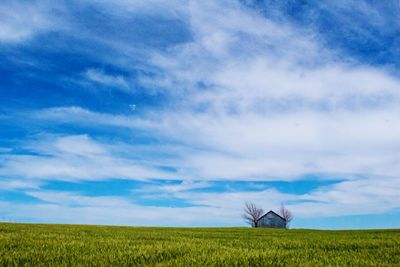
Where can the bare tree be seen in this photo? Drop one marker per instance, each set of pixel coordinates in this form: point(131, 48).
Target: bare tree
point(286, 214)
point(252, 213)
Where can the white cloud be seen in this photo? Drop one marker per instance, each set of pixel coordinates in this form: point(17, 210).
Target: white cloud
point(361, 196)
point(21, 21)
point(185, 185)
point(74, 208)
point(263, 63)
point(273, 146)
point(13, 184)
point(362, 16)
point(75, 158)
point(356, 197)
point(276, 102)
point(99, 77)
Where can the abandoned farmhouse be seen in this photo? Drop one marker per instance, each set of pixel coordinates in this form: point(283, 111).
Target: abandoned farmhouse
point(272, 220)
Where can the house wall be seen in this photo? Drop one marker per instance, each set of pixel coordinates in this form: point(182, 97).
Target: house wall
point(271, 220)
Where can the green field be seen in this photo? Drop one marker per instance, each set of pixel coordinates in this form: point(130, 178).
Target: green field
point(69, 245)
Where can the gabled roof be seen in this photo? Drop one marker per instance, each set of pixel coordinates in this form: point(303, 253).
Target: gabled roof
point(271, 211)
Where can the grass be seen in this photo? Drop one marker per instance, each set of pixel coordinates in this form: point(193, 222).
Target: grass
point(76, 245)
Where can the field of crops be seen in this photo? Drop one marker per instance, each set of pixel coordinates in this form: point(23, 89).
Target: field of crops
point(68, 245)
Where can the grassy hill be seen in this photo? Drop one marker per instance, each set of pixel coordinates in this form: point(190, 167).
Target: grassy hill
point(71, 245)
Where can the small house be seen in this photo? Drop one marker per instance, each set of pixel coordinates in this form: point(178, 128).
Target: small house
point(272, 220)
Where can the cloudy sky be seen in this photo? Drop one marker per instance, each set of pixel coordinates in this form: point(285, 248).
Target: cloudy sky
point(152, 112)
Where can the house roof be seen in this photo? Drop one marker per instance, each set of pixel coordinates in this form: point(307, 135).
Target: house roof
point(271, 211)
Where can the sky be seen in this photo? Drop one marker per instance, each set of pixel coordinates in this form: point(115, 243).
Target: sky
point(175, 113)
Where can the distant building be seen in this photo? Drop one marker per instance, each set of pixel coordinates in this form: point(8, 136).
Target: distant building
point(272, 220)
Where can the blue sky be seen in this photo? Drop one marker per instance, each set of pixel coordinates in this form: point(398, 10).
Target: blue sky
point(175, 113)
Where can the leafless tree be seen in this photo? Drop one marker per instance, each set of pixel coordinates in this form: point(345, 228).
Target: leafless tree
point(286, 214)
point(252, 213)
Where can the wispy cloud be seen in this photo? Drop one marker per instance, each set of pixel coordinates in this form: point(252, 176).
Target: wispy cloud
point(184, 186)
point(99, 77)
point(251, 146)
point(20, 21)
point(18, 184)
point(75, 158)
point(75, 208)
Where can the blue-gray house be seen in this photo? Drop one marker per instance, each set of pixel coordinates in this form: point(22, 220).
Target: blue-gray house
point(272, 220)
